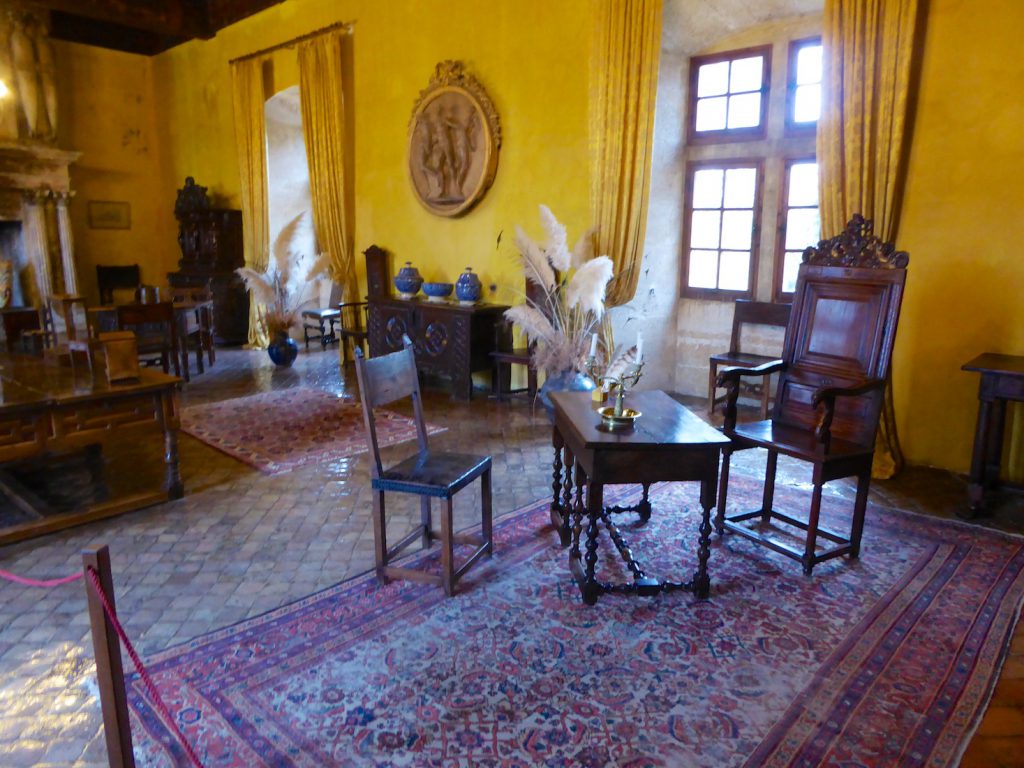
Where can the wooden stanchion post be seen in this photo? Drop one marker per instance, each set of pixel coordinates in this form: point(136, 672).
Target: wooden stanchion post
point(109, 671)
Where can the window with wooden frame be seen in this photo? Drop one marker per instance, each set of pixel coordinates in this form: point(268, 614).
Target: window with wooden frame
point(799, 225)
point(720, 232)
point(729, 95)
point(803, 91)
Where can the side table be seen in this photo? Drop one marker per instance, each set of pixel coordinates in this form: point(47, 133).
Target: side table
point(1002, 379)
point(667, 443)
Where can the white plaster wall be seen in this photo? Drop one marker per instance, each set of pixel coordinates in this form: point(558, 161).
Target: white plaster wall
point(684, 333)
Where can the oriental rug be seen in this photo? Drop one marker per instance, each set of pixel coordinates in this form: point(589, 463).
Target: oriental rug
point(888, 660)
point(284, 429)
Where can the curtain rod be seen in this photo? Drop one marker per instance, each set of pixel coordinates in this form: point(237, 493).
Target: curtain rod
point(346, 25)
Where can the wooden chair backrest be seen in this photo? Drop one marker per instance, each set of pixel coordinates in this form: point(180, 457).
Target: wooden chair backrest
point(756, 313)
point(841, 331)
point(73, 313)
point(109, 278)
point(383, 380)
point(151, 319)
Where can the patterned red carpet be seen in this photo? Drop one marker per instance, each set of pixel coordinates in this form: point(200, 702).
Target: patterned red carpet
point(884, 661)
point(284, 429)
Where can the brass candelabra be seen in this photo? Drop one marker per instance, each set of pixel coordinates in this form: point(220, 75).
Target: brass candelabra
point(617, 416)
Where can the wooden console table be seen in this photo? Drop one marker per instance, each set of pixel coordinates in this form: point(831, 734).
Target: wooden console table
point(667, 443)
point(47, 408)
point(1002, 379)
point(451, 340)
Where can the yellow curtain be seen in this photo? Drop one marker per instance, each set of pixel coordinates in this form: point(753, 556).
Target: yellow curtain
point(622, 124)
point(322, 95)
point(250, 136)
point(862, 136)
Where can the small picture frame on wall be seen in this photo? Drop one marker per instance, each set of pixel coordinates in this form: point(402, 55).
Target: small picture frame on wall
point(110, 214)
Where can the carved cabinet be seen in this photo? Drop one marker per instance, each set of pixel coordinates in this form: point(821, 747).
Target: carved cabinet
point(211, 251)
point(451, 340)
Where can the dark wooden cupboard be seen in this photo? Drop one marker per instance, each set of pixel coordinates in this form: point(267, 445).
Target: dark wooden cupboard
point(211, 250)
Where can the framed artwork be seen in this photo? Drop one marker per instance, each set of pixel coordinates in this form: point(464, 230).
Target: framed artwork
point(109, 214)
point(454, 137)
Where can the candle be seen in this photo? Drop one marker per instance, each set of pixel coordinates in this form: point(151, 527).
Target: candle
point(593, 345)
point(639, 348)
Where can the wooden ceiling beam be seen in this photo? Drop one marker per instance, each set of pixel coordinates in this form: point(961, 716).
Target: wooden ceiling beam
point(173, 18)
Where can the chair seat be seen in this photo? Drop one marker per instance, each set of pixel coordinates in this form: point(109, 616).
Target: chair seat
point(321, 314)
point(747, 360)
point(433, 474)
point(799, 442)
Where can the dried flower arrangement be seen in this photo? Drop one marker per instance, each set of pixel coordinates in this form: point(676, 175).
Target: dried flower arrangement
point(568, 309)
point(281, 290)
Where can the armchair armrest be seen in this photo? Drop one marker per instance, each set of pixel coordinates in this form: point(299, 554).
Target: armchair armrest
point(730, 379)
point(828, 395)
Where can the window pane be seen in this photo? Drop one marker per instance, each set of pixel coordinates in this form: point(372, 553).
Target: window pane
point(803, 184)
point(807, 103)
point(790, 265)
point(707, 188)
point(713, 79)
point(740, 185)
point(704, 229)
point(746, 74)
point(803, 227)
point(744, 111)
point(808, 64)
point(703, 269)
point(734, 271)
point(737, 230)
point(711, 114)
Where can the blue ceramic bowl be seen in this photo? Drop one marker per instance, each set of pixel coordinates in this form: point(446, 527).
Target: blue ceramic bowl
point(438, 290)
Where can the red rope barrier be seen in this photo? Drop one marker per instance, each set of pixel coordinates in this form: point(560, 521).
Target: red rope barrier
point(35, 582)
point(143, 672)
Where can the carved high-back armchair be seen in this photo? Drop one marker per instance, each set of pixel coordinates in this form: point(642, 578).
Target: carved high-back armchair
point(834, 366)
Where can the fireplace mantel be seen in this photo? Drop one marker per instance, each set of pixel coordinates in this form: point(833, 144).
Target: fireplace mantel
point(27, 167)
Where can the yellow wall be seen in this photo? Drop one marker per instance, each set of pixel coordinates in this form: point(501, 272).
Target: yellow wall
point(531, 56)
point(109, 116)
point(963, 224)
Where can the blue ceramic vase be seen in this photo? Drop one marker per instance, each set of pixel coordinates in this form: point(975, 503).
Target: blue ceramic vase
point(468, 287)
point(564, 381)
point(408, 280)
point(283, 350)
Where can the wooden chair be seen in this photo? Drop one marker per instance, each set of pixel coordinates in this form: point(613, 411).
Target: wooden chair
point(504, 356)
point(833, 371)
point(111, 278)
point(156, 331)
point(427, 474)
point(748, 313)
point(502, 374)
point(353, 323)
point(319, 323)
point(74, 336)
point(195, 326)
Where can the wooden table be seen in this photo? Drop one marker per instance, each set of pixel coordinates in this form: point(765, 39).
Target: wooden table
point(46, 408)
point(191, 317)
point(667, 443)
point(1002, 379)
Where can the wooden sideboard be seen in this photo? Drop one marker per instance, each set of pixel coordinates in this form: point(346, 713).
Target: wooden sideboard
point(451, 340)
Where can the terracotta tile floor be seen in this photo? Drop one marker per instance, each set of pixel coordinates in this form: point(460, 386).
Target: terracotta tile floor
point(240, 543)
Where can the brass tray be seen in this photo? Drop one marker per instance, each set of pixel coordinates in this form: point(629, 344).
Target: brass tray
point(625, 421)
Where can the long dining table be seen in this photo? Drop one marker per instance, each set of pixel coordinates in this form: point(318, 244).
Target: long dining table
point(192, 317)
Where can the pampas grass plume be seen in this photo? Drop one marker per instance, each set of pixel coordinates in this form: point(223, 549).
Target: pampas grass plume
point(535, 263)
point(557, 247)
point(588, 284)
point(260, 284)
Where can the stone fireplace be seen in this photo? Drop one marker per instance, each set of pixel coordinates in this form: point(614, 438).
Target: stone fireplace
point(35, 188)
point(35, 191)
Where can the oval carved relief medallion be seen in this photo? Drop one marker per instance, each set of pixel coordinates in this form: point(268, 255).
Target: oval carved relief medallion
point(454, 137)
